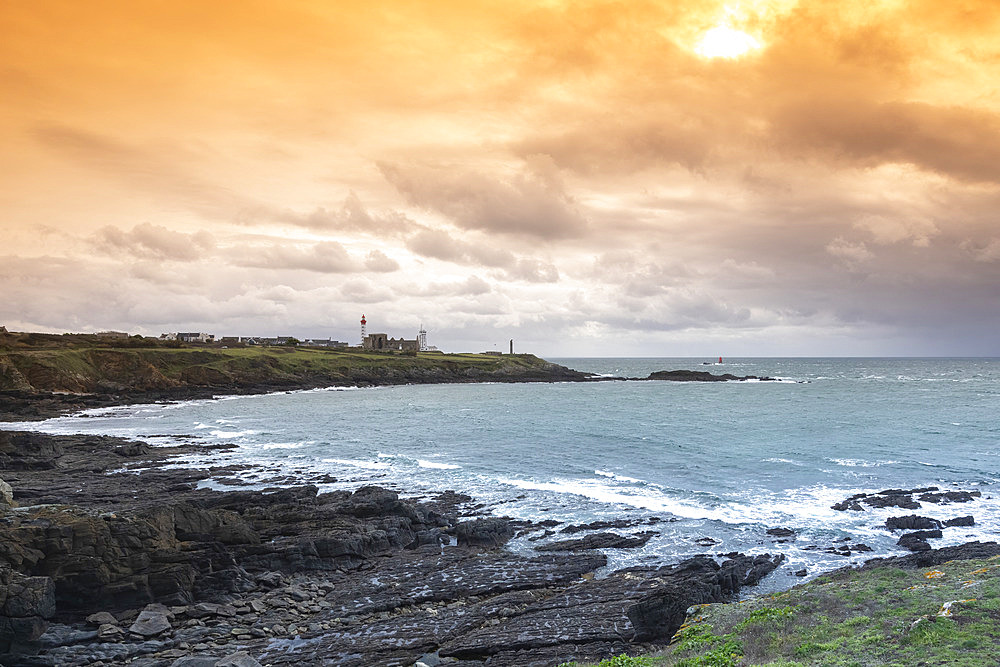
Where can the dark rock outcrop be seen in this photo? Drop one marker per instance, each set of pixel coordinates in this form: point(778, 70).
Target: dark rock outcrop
point(599, 541)
point(699, 580)
point(702, 376)
point(911, 522)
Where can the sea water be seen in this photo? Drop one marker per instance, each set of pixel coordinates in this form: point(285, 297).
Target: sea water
point(723, 461)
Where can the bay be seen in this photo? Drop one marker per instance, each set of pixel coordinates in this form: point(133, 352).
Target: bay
point(722, 461)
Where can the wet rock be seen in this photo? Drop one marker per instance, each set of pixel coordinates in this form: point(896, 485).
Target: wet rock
point(701, 376)
point(490, 532)
point(597, 525)
point(892, 500)
point(780, 532)
point(961, 521)
point(911, 522)
point(698, 580)
point(599, 541)
point(951, 496)
point(917, 541)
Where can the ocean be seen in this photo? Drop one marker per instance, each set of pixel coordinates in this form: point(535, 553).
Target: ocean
point(717, 463)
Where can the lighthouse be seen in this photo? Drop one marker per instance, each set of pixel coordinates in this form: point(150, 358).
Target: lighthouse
point(363, 323)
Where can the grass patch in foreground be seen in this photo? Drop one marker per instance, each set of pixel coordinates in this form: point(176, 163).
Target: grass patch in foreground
point(947, 615)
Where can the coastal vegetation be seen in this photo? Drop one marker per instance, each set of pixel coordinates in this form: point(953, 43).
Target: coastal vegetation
point(940, 615)
point(86, 364)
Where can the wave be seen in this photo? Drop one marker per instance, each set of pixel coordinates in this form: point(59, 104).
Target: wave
point(437, 466)
point(356, 463)
point(231, 434)
point(859, 463)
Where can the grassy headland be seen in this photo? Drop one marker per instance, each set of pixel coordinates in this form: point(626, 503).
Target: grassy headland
point(946, 614)
point(83, 364)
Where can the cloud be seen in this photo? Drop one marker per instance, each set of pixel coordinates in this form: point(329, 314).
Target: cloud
point(532, 202)
point(153, 241)
point(379, 262)
point(324, 257)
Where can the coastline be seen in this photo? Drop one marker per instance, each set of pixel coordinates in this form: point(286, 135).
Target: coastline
point(373, 545)
point(288, 575)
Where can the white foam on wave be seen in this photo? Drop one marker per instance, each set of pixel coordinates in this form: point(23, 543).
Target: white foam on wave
point(437, 466)
point(199, 426)
point(285, 445)
point(775, 459)
point(640, 498)
point(231, 434)
point(621, 478)
point(356, 463)
point(859, 463)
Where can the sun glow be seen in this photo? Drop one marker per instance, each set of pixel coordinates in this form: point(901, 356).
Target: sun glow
point(725, 42)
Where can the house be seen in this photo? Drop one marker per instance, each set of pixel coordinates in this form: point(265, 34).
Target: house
point(381, 341)
point(194, 337)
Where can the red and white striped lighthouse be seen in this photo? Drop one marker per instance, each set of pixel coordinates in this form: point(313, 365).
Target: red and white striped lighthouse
point(363, 323)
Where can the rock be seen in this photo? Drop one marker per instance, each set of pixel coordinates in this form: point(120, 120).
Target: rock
point(102, 618)
point(428, 660)
point(109, 632)
point(960, 521)
point(917, 541)
point(6, 496)
point(26, 604)
point(894, 500)
point(951, 496)
point(934, 557)
point(490, 532)
point(911, 522)
point(195, 661)
point(698, 580)
point(599, 541)
point(238, 659)
point(150, 624)
point(801, 573)
point(206, 609)
point(780, 532)
point(701, 376)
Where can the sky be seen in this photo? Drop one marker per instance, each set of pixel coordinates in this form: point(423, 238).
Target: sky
point(686, 178)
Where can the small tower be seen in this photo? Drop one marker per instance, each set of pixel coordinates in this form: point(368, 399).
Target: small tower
point(422, 339)
point(363, 323)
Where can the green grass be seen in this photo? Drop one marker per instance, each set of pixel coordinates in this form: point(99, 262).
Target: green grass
point(81, 368)
point(885, 616)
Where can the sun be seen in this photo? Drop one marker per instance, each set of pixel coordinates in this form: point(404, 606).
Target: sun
point(725, 42)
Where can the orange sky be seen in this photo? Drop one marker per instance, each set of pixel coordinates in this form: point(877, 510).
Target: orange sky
point(589, 178)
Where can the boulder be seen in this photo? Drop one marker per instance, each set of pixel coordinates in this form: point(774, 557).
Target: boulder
point(26, 604)
point(960, 521)
point(150, 623)
point(911, 522)
point(917, 541)
point(490, 532)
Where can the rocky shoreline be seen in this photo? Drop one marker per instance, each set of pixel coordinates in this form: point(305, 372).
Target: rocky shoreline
point(110, 555)
point(101, 566)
